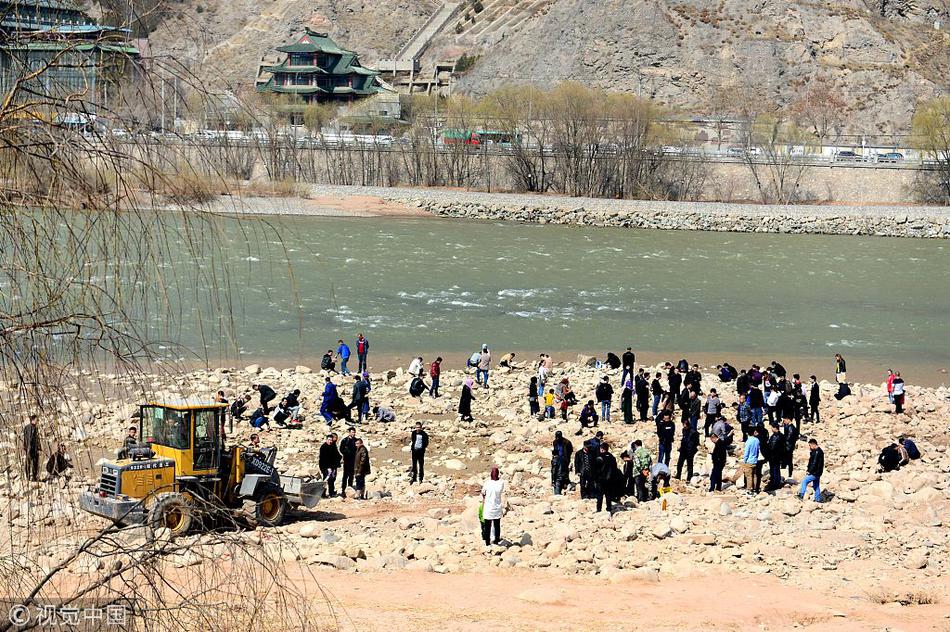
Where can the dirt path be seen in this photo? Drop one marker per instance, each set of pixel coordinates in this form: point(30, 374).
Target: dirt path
point(510, 600)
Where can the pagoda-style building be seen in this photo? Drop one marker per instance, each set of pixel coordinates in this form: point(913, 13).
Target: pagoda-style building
point(80, 58)
point(317, 70)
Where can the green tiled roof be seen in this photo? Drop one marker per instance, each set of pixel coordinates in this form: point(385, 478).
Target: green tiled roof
point(296, 70)
point(269, 87)
point(313, 42)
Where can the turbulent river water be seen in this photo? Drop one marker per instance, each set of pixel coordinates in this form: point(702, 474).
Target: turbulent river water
point(434, 285)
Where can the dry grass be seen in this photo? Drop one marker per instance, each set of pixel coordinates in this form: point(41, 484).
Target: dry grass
point(920, 597)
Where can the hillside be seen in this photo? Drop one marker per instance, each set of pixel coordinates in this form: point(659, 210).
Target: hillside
point(881, 56)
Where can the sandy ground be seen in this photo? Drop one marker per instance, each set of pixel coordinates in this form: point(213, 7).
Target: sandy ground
point(523, 600)
point(319, 206)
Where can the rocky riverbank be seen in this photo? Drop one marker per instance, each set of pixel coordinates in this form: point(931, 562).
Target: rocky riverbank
point(887, 221)
point(879, 536)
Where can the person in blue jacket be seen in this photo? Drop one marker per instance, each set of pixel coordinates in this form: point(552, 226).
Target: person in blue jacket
point(343, 352)
point(329, 396)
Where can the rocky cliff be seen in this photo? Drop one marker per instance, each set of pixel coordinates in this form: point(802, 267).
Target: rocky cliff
point(881, 56)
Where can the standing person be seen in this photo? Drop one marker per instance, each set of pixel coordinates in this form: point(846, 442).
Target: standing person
point(898, 393)
point(584, 468)
point(841, 369)
point(675, 380)
point(561, 453)
point(329, 399)
point(534, 407)
point(31, 448)
point(435, 372)
point(713, 408)
point(604, 393)
point(626, 402)
point(776, 458)
point(642, 388)
point(343, 353)
point(890, 386)
point(689, 445)
point(744, 416)
point(718, 463)
point(749, 462)
point(357, 397)
point(656, 390)
point(465, 401)
point(418, 442)
point(814, 399)
point(362, 349)
point(665, 432)
point(742, 383)
point(542, 374)
point(348, 451)
point(361, 469)
point(694, 408)
point(492, 491)
point(791, 433)
point(483, 366)
point(627, 360)
point(606, 466)
point(267, 394)
point(756, 402)
point(329, 463)
point(816, 466)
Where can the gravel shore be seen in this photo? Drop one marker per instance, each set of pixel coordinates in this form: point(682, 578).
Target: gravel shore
point(890, 221)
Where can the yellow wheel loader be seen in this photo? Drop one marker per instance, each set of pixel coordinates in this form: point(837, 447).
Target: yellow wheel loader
point(183, 474)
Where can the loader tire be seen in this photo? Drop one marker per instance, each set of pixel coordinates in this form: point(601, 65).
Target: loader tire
point(266, 509)
point(171, 511)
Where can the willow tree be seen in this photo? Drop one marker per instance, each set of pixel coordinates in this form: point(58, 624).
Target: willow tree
point(93, 287)
point(931, 126)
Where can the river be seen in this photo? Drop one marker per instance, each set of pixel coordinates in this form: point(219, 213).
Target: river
point(441, 286)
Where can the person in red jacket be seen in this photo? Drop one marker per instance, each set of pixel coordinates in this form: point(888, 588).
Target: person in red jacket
point(890, 386)
point(362, 348)
point(435, 370)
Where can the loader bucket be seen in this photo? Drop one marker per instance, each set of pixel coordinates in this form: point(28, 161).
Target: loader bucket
point(302, 491)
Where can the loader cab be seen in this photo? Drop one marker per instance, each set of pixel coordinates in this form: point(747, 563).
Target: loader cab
point(188, 433)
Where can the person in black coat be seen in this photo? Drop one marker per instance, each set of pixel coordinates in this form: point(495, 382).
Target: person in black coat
point(561, 452)
point(642, 387)
point(675, 380)
point(584, 468)
point(348, 450)
point(418, 442)
point(776, 456)
point(791, 434)
point(329, 462)
point(719, 453)
point(465, 401)
point(267, 395)
point(816, 467)
point(31, 449)
point(627, 360)
point(742, 383)
point(814, 399)
point(665, 432)
point(689, 445)
point(606, 465)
